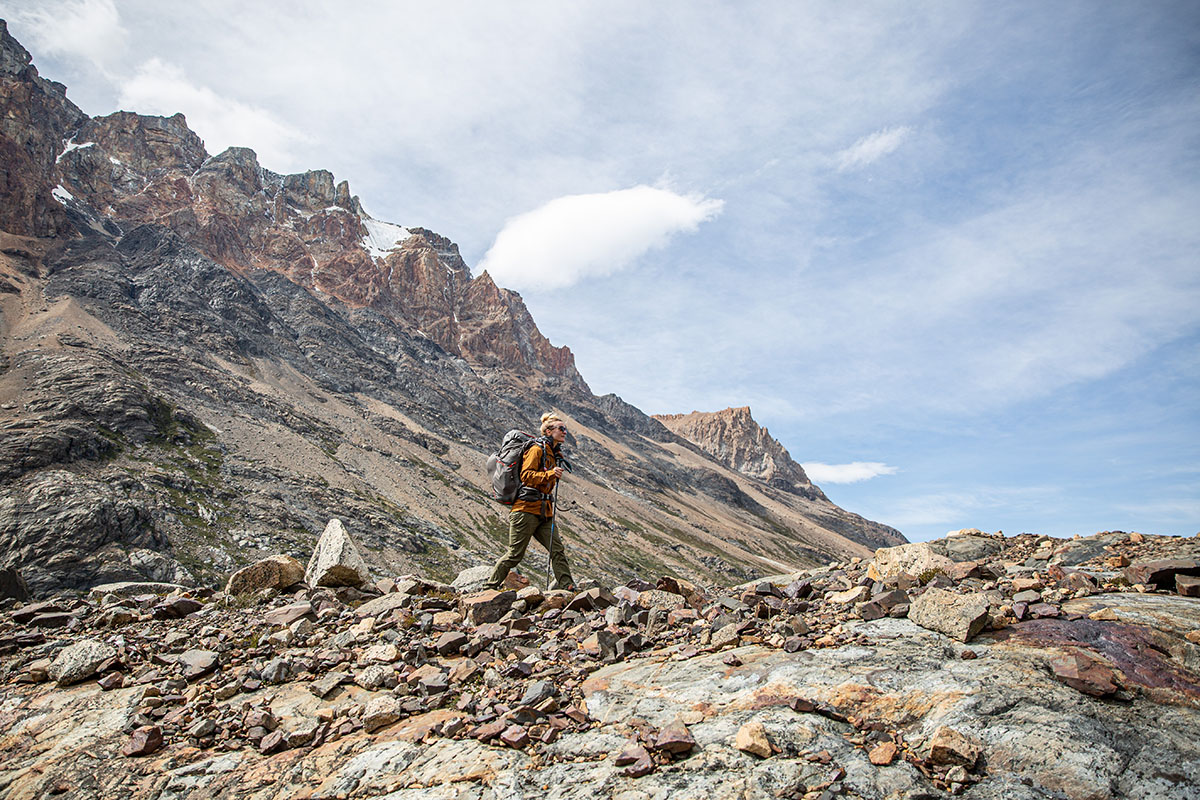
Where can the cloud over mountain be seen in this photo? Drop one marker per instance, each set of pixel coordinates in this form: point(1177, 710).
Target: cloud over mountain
point(580, 236)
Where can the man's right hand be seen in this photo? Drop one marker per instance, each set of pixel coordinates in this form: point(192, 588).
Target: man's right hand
point(558, 472)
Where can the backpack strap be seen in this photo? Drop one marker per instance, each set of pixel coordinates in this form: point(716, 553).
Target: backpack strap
point(527, 492)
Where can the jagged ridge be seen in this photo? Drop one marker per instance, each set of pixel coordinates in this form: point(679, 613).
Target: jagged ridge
point(271, 356)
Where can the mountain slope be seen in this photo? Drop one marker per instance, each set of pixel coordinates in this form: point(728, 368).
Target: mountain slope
point(202, 361)
point(737, 441)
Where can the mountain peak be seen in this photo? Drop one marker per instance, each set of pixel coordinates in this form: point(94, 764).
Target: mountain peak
point(735, 439)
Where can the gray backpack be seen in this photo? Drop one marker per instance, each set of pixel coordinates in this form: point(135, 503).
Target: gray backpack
point(504, 466)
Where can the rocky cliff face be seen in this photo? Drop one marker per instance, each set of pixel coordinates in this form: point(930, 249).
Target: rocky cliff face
point(740, 443)
point(202, 361)
point(737, 441)
point(137, 170)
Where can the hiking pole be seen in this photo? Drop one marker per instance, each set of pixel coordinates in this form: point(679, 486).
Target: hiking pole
point(550, 548)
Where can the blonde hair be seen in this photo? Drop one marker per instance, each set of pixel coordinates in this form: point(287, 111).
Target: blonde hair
point(548, 419)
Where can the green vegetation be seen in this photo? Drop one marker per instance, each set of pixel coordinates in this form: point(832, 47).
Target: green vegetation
point(930, 574)
point(628, 524)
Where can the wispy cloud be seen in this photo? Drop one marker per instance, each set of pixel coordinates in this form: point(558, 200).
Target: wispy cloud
point(163, 88)
point(853, 472)
point(580, 236)
point(1184, 510)
point(872, 148)
point(971, 507)
point(87, 29)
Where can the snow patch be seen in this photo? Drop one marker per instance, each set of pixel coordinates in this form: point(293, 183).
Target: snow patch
point(382, 237)
point(61, 194)
point(72, 146)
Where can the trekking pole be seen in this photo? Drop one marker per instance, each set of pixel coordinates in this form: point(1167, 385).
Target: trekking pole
point(550, 549)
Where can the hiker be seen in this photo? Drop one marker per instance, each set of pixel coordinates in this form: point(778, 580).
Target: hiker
point(532, 514)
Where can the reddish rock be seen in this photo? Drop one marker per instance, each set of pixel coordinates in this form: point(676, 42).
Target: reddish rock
point(674, 739)
point(143, 741)
point(1086, 673)
point(949, 746)
point(450, 642)
point(288, 614)
point(1161, 574)
point(631, 754)
point(1187, 585)
point(515, 736)
point(260, 718)
point(1043, 611)
point(883, 754)
point(176, 608)
point(643, 766)
point(489, 730)
point(273, 742)
point(486, 606)
point(113, 680)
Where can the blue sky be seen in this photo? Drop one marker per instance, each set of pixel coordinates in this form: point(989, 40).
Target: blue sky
point(947, 252)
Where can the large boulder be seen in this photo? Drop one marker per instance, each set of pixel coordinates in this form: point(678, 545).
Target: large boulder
point(914, 559)
point(80, 661)
point(1161, 573)
point(473, 579)
point(336, 560)
point(958, 616)
point(971, 545)
point(135, 588)
point(486, 606)
point(13, 586)
point(272, 572)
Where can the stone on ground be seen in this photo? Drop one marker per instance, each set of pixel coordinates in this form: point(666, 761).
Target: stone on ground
point(752, 738)
point(958, 616)
point(80, 661)
point(274, 572)
point(336, 560)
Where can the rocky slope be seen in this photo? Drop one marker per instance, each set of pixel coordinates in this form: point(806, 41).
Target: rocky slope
point(742, 444)
point(979, 666)
point(737, 441)
point(202, 361)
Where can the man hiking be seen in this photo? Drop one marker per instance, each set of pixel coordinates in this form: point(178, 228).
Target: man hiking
point(532, 514)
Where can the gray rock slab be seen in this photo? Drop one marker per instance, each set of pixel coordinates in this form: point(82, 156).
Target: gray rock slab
point(958, 616)
point(273, 572)
point(336, 560)
point(79, 661)
point(134, 588)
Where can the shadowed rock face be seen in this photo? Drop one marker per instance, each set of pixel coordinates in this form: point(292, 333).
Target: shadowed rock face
point(226, 358)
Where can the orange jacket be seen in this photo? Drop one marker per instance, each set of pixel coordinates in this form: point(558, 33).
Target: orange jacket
point(533, 475)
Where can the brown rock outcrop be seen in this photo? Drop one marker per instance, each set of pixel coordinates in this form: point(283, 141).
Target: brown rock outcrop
point(735, 439)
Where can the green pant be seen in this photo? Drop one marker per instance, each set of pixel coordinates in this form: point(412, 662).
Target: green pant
point(523, 526)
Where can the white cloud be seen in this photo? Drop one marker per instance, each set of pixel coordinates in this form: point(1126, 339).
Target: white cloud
point(853, 472)
point(162, 88)
point(586, 235)
point(872, 148)
point(87, 29)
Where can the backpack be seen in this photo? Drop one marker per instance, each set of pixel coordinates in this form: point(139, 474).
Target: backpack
point(504, 465)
